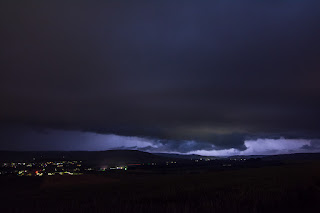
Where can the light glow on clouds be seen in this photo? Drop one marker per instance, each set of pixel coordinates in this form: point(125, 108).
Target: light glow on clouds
point(265, 147)
point(254, 147)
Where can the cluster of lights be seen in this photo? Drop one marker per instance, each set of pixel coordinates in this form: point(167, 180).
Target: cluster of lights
point(172, 162)
point(237, 159)
point(202, 159)
point(41, 168)
point(114, 168)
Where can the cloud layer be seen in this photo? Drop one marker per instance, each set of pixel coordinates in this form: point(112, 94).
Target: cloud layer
point(213, 73)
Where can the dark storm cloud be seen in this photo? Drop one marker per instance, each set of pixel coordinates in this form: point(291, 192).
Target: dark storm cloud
point(314, 145)
point(214, 72)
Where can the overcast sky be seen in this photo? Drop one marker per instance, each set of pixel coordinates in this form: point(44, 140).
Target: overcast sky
point(212, 77)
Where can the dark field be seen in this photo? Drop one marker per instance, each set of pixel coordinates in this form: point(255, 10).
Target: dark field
point(292, 187)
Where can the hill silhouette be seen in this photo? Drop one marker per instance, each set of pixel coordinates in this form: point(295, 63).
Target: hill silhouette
point(109, 157)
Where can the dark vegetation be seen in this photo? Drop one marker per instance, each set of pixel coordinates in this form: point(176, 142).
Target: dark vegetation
point(287, 187)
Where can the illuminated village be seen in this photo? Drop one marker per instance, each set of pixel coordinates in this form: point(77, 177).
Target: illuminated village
point(42, 168)
point(78, 167)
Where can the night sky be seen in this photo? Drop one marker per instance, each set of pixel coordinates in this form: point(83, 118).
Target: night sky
point(206, 77)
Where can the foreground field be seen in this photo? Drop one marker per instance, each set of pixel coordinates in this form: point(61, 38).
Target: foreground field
point(287, 188)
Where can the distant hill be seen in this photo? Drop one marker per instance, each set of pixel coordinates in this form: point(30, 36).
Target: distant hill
point(281, 157)
point(123, 157)
point(295, 156)
point(110, 157)
point(181, 156)
point(245, 156)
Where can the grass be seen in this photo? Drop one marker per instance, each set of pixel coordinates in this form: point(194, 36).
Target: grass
point(286, 188)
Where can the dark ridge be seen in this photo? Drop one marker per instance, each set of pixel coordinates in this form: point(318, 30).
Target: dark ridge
point(108, 157)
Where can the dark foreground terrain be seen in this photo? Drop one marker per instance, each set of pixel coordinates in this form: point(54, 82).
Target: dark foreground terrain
point(291, 187)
